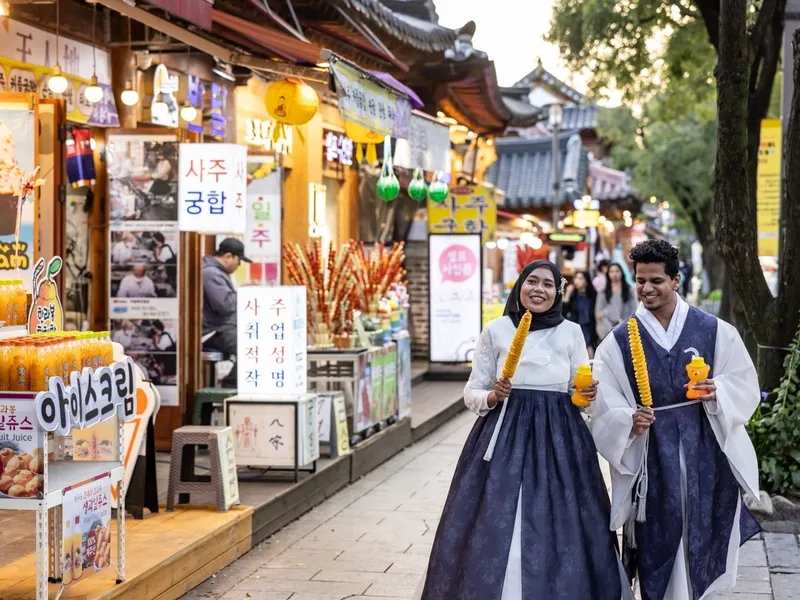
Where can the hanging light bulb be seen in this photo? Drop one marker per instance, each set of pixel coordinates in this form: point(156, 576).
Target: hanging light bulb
point(93, 93)
point(129, 96)
point(57, 82)
point(188, 113)
point(159, 108)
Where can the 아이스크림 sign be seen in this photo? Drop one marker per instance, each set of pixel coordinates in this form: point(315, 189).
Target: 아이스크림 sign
point(93, 395)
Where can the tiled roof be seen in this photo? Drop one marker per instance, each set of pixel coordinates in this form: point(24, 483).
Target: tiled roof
point(576, 116)
point(540, 74)
point(524, 170)
point(422, 9)
point(609, 184)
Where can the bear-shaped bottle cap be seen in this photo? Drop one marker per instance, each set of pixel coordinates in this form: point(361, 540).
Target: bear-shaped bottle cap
point(697, 362)
point(584, 370)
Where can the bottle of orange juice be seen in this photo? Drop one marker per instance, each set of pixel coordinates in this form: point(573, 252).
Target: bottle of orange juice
point(583, 379)
point(19, 367)
point(108, 349)
point(4, 370)
point(20, 301)
point(74, 348)
point(40, 368)
point(4, 301)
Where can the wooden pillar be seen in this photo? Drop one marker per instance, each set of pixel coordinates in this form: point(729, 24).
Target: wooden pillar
point(306, 159)
point(348, 207)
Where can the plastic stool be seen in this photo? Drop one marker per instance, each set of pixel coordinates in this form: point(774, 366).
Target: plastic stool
point(182, 479)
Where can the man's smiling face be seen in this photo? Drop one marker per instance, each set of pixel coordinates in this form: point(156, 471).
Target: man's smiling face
point(654, 286)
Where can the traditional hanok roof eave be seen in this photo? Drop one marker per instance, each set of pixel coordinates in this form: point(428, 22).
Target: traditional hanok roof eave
point(542, 75)
point(610, 184)
point(524, 171)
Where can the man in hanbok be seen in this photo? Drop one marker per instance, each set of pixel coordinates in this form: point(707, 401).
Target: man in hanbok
point(680, 466)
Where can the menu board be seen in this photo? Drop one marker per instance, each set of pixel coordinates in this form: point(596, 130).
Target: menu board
point(455, 296)
point(21, 447)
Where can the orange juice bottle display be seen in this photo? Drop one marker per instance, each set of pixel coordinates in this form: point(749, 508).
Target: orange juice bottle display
point(4, 352)
point(40, 367)
point(20, 303)
point(4, 301)
point(108, 349)
point(83, 349)
point(66, 357)
point(19, 367)
point(97, 349)
point(73, 345)
point(54, 356)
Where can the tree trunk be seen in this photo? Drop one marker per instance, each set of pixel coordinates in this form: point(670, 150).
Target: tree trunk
point(735, 218)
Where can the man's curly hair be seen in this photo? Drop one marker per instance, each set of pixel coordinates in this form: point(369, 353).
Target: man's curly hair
point(656, 251)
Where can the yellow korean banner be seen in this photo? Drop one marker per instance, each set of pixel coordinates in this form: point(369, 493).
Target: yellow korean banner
point(16, 76)
point(768, 190)
point(467, 209)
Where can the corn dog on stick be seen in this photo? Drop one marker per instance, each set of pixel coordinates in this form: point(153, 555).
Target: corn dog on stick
point(639, 363)
point(512, 359)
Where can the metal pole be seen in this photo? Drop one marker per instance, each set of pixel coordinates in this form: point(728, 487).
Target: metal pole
point(556, 195)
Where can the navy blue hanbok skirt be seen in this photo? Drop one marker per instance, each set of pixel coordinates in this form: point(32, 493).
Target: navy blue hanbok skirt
point(544, 450)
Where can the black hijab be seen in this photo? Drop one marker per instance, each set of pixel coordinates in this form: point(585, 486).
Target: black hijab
point(514, 308)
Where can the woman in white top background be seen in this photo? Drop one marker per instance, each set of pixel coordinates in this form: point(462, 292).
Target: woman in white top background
point(527, 512)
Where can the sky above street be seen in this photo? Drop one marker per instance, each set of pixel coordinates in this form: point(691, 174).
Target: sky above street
point(511, 32)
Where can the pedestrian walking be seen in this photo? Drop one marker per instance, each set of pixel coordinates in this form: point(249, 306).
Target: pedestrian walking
point(599, 281)
point(616, 303)
point(678, 468)
point(579, 307)
point(527, 512)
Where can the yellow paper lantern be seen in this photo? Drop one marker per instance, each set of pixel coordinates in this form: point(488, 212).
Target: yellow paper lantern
point(362, 136)
point(290, 102)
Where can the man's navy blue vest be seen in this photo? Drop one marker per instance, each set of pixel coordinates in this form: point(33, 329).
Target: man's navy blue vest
point(712, 492)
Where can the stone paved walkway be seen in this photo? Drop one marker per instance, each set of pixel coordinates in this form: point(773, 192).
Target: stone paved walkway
point(372, 540)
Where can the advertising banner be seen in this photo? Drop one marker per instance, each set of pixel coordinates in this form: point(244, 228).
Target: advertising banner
point(86, 529)
point(768, 187)
point(455, 296)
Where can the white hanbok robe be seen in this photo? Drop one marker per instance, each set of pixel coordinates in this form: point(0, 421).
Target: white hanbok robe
point(738, 396)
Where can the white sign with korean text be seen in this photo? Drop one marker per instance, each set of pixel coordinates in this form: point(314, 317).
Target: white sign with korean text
point(455, 296)
point(272, 352)
point(427, 146)
point(227, 460)
point(212, 188)
point(262, 238)
point(93, 395)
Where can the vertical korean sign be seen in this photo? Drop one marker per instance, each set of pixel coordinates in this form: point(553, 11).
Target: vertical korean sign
point(18, 127)
point(144, 243)
point(768, 190)
point(212, 188)
point(262, 238)
point(455, 296)
point(272, 351)
point(86, 529)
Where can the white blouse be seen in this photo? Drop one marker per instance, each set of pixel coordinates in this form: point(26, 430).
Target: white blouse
point(549, 361)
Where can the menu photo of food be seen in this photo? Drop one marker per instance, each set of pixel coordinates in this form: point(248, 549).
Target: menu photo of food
point(95, 443)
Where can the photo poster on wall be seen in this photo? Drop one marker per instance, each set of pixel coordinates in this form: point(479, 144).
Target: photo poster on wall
point(18, 133)
point(455, 296)
point(144, 244)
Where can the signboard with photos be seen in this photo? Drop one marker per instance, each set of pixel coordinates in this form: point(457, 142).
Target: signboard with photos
point(86, 529)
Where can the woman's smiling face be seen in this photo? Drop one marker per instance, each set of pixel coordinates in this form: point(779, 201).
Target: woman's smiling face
point(538, 291)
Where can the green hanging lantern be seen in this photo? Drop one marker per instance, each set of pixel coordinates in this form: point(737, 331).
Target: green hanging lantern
point(418, 189)
point(438, 189)
point(388, 185)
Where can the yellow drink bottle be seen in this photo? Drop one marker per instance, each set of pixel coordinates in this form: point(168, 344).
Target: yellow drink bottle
point(19, 367)
point(108, 349)
point(20, 302)
point(74, 353)
point(697, 371)
point(40, 370)
point(583, 379)
point(66, 554)
point(4, 301)
point(85, 350)
point(4, 361)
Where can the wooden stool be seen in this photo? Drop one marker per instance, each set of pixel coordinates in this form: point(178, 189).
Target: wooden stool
point(182, 478)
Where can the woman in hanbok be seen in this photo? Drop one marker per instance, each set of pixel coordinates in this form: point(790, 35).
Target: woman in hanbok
point(527, 512)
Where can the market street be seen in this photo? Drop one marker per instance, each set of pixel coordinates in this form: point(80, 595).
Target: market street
point(373, 538)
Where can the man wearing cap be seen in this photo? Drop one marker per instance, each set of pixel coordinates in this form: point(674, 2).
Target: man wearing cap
point(219, 300)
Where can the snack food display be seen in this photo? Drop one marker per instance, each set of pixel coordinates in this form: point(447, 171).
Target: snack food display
point(20, 472)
